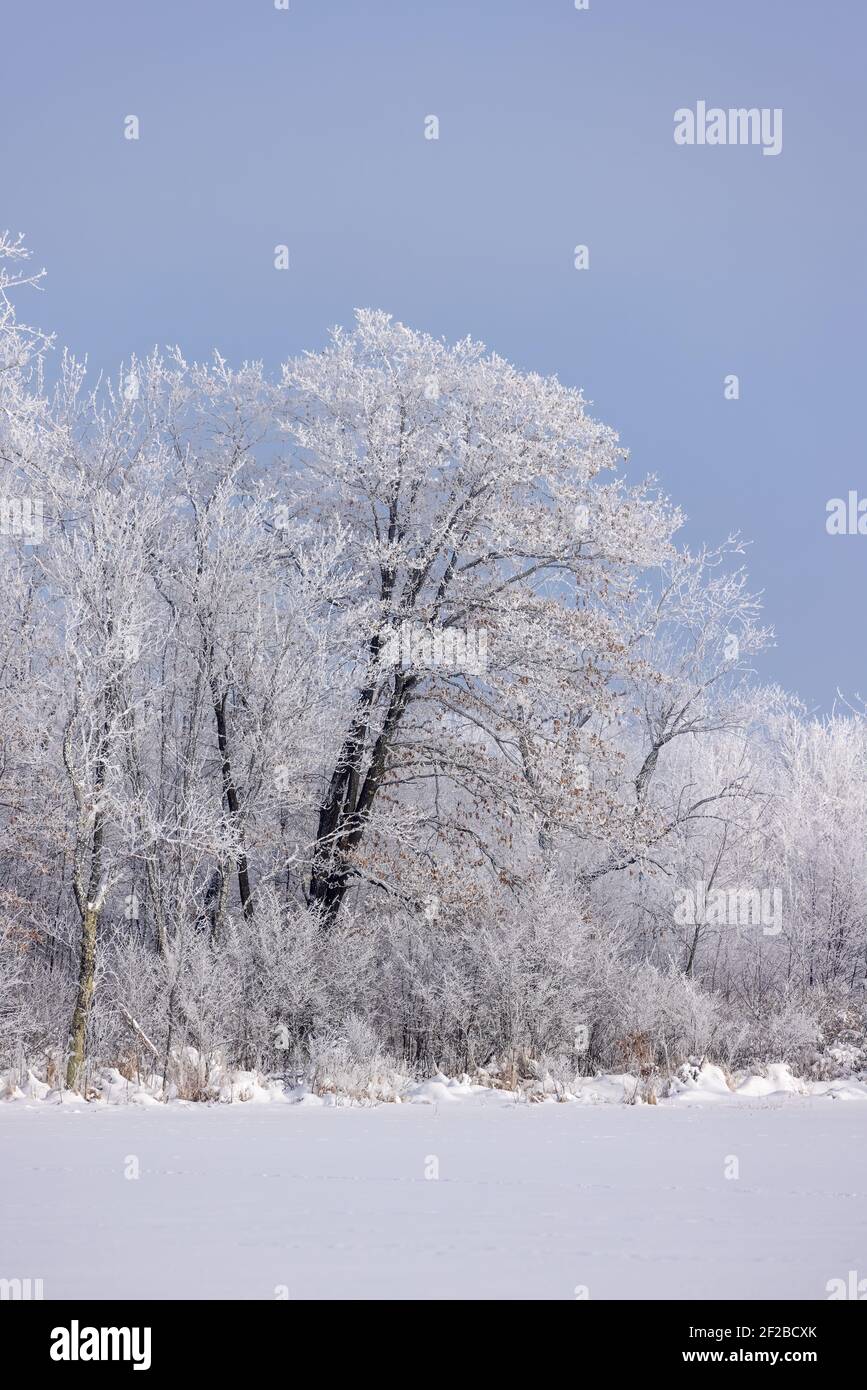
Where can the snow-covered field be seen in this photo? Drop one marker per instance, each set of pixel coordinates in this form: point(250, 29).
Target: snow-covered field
point(469, 1195)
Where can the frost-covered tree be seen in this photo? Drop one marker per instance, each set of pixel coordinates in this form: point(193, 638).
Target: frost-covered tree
point(497, 546)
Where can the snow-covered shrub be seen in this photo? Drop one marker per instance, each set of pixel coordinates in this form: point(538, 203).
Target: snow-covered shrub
point(663, 1018)
point(349, 1061)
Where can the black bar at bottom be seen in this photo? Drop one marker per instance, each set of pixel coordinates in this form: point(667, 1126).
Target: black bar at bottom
point(70, 1338)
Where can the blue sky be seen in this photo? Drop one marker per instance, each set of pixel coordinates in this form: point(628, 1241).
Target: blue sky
point(306, 127)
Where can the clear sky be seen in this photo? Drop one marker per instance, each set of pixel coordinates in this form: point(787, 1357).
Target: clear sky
point(260, 127)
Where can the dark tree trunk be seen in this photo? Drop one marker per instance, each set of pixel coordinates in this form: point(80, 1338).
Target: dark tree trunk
point(349, 801)
point(230, 795)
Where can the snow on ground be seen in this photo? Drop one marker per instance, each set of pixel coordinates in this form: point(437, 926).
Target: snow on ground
point(530, 1201)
